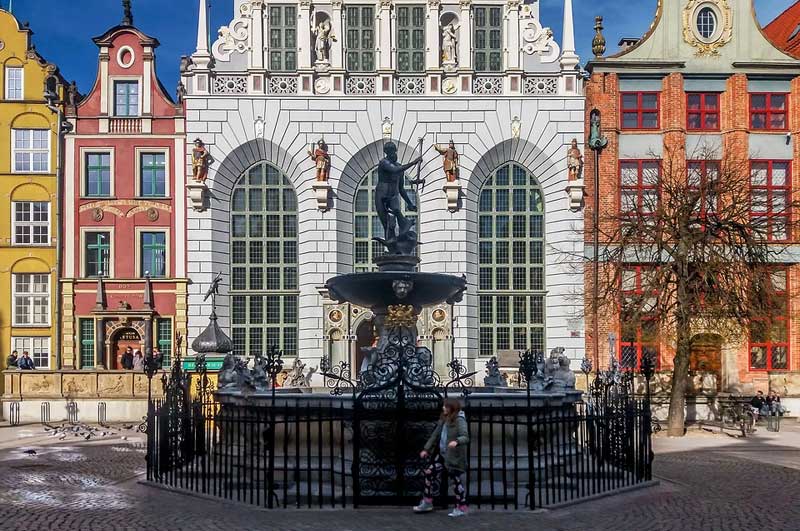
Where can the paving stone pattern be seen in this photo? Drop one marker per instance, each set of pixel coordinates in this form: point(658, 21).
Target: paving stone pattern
point(95, 487)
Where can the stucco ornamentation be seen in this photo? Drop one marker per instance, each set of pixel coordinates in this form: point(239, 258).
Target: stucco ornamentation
point(723, 30)
point(233, 37)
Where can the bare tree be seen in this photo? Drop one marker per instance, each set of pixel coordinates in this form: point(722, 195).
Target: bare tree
point(691, 248)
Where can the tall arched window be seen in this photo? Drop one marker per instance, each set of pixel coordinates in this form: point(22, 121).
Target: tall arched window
point(366, 224)
point(264, 262)
point(511, 262)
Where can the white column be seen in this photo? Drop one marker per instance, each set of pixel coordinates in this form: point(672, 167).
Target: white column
point(304, 24)
point(385, 49)
point(511, 37)
point(465, 36)
point(433, 54)
point(336, 26)
point(147, 82)
point(105, 108)
point(257, 47)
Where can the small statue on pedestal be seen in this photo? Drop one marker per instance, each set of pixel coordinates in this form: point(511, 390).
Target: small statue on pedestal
point(322, 160)
point(574, 161)
point(201, 160)
point(450, 160)
point(324, 36)
point(493, 377)
point(450, 45)
point(297, 377)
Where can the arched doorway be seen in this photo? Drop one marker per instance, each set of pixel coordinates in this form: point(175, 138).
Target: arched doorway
point(511, 258)
point(122, 339)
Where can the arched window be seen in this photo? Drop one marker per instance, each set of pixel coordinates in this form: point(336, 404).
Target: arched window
point(511, 262)
point(366, 224)
point(264, 262)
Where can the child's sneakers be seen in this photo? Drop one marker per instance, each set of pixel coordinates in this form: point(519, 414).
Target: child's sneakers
point(460, 510)
point(425, 506)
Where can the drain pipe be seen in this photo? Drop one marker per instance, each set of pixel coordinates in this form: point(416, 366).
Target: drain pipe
point(57, 223)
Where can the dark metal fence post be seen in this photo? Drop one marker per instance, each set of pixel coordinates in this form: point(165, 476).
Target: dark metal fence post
point(274, 366)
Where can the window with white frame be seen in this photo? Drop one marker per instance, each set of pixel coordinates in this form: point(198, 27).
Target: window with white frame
point(31, 293)
point(38, 348)
point(30, 150)
point(126, 98)
point(14, 76)
point(30, 222)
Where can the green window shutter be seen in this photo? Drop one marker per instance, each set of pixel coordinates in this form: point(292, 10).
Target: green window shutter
point(264, 262)
point(487, 39)
point(86, 339)
point(410, 38)
point(360, 41)
point(282, 38)
point(511, 290)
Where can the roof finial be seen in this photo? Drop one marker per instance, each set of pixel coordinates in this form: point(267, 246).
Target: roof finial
point(599, 42)
point(127, 15)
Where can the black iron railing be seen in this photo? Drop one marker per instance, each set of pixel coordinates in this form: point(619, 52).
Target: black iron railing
point(362, 446)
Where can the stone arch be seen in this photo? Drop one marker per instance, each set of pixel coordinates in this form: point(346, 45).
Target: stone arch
point(30, 192)
point(357, 166)
point(31, 264)
point(245, 156)
point(33, 120)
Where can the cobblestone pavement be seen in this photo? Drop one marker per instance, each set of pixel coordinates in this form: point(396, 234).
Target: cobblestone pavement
point(708, 483)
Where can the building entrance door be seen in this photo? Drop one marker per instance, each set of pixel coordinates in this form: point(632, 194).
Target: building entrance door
point(706, 356)
point(127, 337)
point(365, 337)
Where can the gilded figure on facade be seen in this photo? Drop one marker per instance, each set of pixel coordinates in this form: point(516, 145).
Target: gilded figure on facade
point(322, 160)
point(449, 160)
point(201, 160)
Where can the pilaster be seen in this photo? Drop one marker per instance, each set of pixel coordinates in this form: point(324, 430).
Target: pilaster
point(465, 36)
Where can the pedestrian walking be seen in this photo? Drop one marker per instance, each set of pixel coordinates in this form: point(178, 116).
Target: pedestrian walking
point(447, 449)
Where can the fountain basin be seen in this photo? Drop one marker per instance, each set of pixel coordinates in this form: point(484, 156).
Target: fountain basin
point(375, 289)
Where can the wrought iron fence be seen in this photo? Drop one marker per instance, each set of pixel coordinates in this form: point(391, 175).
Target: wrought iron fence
point(358, 446)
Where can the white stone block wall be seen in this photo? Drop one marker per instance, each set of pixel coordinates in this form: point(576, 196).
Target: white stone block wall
point(481, 129)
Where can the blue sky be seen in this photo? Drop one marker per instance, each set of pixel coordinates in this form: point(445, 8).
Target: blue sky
point(63, 31)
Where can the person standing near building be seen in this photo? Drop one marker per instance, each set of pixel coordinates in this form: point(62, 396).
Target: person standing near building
point(12, 360)
point(127, 359)
point(446, 448)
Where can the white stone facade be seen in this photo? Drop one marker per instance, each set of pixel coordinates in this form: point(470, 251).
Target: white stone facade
point(530, 121)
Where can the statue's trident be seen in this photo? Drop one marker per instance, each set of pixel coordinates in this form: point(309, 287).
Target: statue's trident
point(416, 182)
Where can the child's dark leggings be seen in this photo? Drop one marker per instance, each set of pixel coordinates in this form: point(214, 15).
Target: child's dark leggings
point(433, 478)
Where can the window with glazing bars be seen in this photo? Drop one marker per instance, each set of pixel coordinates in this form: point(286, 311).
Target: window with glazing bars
point(164, 339)
point(770, 197)
point(360, 43)
point(410, 38)
point(154, 254)
point(487, 40)
point(153, 179)
point(638, 327)
point(769, 338)
point(98, 175)
point(511, 288)
point(86, 331)
point(264, 286)
point(126, 98)
point(282, 38)
point(14, 77)
point(97, 254)
point(30, 150)
point(367, 225)
point(31, 222)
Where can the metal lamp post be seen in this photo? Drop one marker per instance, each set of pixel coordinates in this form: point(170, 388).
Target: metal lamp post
point(597, 143)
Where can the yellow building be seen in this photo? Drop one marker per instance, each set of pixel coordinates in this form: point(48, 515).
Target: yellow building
point(30, 99)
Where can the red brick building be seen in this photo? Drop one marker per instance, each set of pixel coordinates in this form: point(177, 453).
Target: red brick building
point(123, 270)
point(703, 75)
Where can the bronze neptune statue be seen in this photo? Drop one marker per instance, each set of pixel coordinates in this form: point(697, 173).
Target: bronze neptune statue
point(400, 238)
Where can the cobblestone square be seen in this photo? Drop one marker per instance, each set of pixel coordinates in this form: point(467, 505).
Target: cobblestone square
point(706, 483)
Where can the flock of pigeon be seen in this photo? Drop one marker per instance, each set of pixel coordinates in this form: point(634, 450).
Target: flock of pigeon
point(86, 431)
